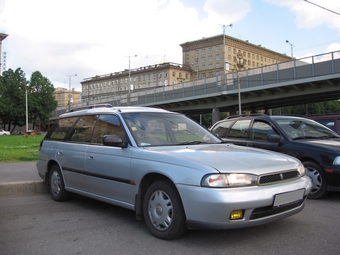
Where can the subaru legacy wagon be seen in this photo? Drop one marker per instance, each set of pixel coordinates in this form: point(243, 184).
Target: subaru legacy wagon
point(172, 172)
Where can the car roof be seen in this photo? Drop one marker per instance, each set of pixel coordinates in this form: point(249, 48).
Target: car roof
point(106, 110)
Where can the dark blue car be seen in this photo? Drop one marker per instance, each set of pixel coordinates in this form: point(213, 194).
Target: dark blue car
point(315, 145)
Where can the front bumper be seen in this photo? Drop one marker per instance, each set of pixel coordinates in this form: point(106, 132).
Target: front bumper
point(210, 208)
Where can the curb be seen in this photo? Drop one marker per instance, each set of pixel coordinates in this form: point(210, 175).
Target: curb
point(22, 188)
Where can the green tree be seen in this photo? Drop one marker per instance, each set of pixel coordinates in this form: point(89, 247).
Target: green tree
point(12, 98)
point(41, 101)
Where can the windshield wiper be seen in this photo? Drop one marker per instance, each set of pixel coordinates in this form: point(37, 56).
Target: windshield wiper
point(191, 143)
point(305, 137)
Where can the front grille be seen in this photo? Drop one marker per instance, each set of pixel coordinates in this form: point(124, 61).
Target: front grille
point(278, 177)
point(270, 210)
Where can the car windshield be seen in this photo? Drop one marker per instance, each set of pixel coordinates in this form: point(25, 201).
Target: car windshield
point(159, 129)
point(305, 129)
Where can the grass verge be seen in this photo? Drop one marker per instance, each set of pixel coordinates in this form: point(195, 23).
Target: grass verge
point(15, 148)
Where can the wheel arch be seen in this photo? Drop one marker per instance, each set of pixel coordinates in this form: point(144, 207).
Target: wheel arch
point(145, 183)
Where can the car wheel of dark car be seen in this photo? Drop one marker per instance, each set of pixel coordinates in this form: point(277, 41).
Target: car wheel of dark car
point(163, 211)
point(57, 186)
point(319, 188)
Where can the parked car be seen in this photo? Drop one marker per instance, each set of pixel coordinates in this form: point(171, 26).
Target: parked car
point(4, 132)
point(330, 121)
point(172, 172)
point(317, 146)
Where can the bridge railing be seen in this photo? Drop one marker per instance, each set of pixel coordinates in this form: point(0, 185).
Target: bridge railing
point(313, 66)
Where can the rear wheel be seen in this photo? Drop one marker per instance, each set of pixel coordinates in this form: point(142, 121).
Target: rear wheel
point(319, 185)
point(56, 185)
point(163, 211)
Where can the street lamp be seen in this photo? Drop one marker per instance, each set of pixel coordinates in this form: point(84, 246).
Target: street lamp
point(69, 92)
point(239, 66)
point(224, 51)
point(291, 48)
point(130, 77)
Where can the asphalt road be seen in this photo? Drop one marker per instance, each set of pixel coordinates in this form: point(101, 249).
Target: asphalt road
point(35, 224)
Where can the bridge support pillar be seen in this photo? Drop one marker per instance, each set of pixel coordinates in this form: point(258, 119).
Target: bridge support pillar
point(215, 115)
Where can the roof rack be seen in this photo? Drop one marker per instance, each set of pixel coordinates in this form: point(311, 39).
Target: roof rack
point(246, 115)
point(91, 106)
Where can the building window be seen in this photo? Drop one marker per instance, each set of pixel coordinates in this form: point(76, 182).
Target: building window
point(173, 74)
point(203, 59)
point(210, 58)
point(210, 74)
point(218, 48)
point(197, 52)
point(210, 50)
point(210, 66)
point(149, 76)
point(180, 75)
point(203, 51)
point(154, 76)
point(229, 49)
point(165, 74)
point(186, 76)
point(203, 75)
point(196, 60)
point(218, 65)
point(217, 73)
point(160, 75)
point(217, 56)
point(203, 67)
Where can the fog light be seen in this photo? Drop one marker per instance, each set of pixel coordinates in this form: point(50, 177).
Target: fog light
point(236, 215)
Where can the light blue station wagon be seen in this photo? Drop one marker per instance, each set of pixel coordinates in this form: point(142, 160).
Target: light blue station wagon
point(172, 172)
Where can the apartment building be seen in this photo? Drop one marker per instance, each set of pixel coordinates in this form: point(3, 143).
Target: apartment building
point(62, 95)
point(200, 59)
point(206, 56)
point(147, 77)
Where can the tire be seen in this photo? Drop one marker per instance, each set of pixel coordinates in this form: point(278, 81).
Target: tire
point(319, 185)
point(163, 211)
point(57, 186)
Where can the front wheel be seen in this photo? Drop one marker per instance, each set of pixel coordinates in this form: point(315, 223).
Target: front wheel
point(163, 211)
point(319, 185)
point(57, 186)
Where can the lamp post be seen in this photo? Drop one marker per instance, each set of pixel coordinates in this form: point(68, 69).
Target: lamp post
point(130, 78)
point(69, 92)
point(291, 48)
point(239, 66)
point(224, 51)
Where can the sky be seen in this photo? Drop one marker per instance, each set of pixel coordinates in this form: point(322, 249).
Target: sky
point(61, 38)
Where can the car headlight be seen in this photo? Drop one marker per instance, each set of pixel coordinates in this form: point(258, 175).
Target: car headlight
point(229, 180)
point(336, 161)
point(302, 171)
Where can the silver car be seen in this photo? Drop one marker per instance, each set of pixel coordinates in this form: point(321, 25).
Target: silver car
point(172, 172)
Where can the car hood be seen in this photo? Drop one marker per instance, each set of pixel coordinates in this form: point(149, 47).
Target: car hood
point(322, 144)
point(226, 158)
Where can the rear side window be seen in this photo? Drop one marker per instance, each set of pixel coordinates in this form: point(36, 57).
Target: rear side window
point(221, 128)
point(61, 128)
point(239, 129)
point(82, 131)
point(107, 125)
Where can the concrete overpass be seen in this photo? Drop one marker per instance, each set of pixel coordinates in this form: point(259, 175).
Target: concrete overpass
point(300, 81)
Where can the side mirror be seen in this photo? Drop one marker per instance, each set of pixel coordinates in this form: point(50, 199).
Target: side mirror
point(275, 138)
point(115, 141)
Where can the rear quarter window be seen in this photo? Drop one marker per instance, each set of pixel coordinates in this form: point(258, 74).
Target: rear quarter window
point(61, 128)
